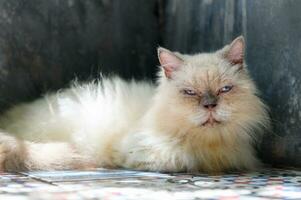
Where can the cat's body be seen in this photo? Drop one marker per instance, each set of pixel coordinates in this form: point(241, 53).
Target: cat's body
point(186, 123)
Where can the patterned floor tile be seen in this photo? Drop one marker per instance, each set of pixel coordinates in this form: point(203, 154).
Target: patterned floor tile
point(126, 184)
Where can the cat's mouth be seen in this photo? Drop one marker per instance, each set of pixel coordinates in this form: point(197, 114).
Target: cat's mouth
point(211, 121)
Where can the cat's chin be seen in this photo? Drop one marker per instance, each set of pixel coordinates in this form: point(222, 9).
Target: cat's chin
point(211, 121)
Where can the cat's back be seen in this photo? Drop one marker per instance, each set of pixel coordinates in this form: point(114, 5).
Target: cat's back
point(106, 105)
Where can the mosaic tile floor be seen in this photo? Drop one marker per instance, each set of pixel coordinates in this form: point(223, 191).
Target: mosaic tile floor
point(123, 184)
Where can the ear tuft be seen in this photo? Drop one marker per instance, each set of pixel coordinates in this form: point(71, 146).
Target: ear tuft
point(235, 54)
point(169, 61)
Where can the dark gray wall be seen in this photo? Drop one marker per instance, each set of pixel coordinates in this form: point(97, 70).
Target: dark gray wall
point(272, 29)
point(46, 43)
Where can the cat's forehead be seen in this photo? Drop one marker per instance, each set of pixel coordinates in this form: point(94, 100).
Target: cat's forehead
point(205, 68)
point(203, 60)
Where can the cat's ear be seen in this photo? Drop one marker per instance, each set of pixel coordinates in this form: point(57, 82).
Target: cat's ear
point(235, 52)
point(169, 61)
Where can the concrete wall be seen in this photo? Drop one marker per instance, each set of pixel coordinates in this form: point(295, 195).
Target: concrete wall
point(46, 43)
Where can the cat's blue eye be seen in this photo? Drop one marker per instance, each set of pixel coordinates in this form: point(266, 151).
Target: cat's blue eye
point(189, 92)
point(226, 88)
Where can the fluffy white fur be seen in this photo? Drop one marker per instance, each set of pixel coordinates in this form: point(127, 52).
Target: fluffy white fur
point(114, 123)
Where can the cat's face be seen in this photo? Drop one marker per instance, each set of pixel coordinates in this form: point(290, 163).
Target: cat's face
point(209, 90)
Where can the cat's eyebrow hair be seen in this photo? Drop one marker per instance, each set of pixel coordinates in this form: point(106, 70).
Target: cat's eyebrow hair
point(222, 74)
point(185, 85)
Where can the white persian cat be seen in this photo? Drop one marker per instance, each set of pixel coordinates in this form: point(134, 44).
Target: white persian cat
point(203, 115)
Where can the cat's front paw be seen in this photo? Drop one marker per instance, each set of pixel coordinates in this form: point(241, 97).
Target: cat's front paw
point(3, 152)
point(10, 159)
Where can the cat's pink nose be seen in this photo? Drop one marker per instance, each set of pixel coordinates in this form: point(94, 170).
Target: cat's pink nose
point(210, 106)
